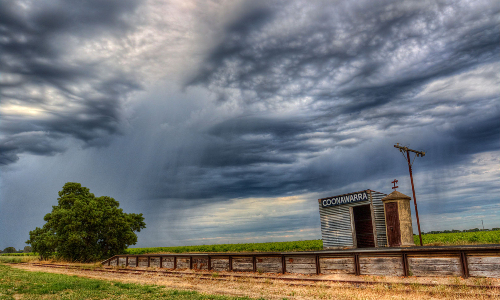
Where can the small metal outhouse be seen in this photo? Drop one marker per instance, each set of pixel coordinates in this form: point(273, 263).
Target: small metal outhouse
point(354, 220)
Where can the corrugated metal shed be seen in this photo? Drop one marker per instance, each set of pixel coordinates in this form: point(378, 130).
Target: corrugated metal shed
point(337, 224)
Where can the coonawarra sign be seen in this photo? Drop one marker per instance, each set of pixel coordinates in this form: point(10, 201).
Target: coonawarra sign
point(345, 199)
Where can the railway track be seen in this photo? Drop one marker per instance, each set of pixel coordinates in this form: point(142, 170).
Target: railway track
point(459, 290)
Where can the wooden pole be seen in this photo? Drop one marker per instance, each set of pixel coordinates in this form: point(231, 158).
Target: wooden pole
point(414, 198)
point(404, 149)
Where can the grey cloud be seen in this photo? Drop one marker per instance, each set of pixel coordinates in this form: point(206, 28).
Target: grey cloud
point(369, 39)
point(35, 55)
point(312, 97)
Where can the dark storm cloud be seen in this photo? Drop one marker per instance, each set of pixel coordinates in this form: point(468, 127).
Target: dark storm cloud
point(295, 99)
point(267, 57)
point(37, 143)
point(363, 65)
point(36, 44)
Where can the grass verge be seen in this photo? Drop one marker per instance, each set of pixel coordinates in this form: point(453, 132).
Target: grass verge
point(15, 284)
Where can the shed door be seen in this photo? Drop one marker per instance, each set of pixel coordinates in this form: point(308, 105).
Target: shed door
point(392, 223)
point(363, 226)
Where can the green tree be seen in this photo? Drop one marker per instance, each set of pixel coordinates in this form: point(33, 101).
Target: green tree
point(9, 250)
point(85, 228)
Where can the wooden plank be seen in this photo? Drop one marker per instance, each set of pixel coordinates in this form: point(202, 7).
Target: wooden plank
point(302, 268)
point(434, 266)
point(242, 263)
point(268, 264)
point(132, 262)
point(122, 261)
point(154, 262)
point(242, 267)
point(380, 260)
point(387, 266)
point(484, 267)
point(143, 262)
point(183, 263)
point(435, 260)
point(318, 270)
point(113, 262)
point(200, 263)
point(220, 264)
point(483, 260)
point(300, 260)
point(356, 265)
point(341, 265)
point(489, 274)
point(378, 269)
point(242, 259)
point(283, 264)
point(168, 262)
point(302, 271)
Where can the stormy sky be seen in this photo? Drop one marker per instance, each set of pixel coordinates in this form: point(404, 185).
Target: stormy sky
point(225, 121)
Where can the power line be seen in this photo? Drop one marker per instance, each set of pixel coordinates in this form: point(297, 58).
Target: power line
point(406, 153)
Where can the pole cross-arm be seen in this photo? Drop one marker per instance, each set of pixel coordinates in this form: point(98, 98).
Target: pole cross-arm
point(406, 149)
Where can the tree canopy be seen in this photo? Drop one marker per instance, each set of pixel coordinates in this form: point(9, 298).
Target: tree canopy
point(10, 250)
point(85, 228)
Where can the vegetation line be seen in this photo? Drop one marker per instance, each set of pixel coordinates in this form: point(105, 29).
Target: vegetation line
point(440, 239)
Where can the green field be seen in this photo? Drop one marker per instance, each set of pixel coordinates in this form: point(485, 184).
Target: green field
point(445, 239)
point(15, 284)
point(17, 259)
point(460, 238)
point(19, 254)
point(249, 247)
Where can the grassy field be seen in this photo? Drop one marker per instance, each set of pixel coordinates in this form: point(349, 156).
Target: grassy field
point(17, 259)
point(459, 238)
point(19, 254)
point(15, 284)
point(249, 247)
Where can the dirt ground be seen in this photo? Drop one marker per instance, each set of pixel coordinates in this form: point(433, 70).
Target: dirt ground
point(277, 289)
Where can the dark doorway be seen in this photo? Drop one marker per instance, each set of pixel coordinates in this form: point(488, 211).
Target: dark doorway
point(392, 223)
point(363, 226)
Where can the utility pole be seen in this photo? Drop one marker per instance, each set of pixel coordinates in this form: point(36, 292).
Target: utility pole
point(406, 153)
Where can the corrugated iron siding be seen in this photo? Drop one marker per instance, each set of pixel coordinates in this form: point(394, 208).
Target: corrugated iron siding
point(378, 209)
point(336, 222)
point(336, 225)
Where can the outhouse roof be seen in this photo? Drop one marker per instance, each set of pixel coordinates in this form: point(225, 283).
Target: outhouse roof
point(396, 196)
